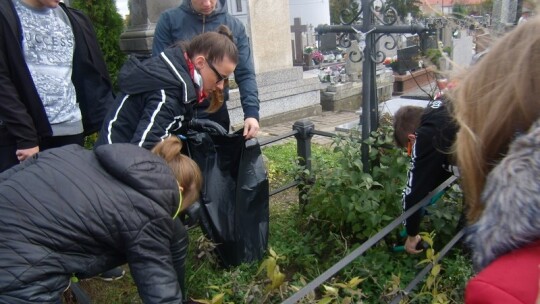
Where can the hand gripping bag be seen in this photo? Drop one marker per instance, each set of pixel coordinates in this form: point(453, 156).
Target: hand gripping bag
point(234, 203)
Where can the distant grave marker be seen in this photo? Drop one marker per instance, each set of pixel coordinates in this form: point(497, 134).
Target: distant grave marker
point(328, 42)
point(298, 29)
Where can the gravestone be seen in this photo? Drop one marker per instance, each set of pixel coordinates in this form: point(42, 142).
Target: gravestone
point(285, 93)
point(446, 33)
point(298, 29)
point(504, 15)
point(462, 50)
point(327, 42)
point(428, 42)
point(411, 40)
point(310, 36)
point(144, 15)
point(353, 69)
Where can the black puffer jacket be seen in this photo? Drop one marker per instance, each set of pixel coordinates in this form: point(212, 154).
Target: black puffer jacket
point(73, 211)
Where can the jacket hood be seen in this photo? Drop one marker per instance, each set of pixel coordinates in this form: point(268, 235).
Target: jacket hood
point(166, 71)
point(511, 218)
point(221, 8)
point(141, 170)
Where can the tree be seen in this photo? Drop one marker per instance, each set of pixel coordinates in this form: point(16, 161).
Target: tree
point(403, 7)
point(338, 6)
point(108, 25)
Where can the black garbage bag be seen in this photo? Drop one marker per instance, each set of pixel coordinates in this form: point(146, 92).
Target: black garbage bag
point(234, 210)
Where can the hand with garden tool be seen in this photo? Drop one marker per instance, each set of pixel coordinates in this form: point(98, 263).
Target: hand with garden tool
point(414, 244)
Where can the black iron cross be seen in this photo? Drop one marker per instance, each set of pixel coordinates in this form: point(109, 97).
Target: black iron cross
point(369, 31)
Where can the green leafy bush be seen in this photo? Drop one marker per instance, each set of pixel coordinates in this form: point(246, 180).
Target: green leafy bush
point(108, 25)
point(358, 203)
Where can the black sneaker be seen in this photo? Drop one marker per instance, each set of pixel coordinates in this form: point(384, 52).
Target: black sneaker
point(112, 275)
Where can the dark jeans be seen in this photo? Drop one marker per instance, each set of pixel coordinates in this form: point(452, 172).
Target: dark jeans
point(8, 147)
point(59, 141)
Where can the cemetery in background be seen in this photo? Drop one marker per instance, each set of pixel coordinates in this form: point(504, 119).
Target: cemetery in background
point(301, 73)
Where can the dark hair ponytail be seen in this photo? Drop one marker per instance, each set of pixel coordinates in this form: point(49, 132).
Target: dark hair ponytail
point(213, 45)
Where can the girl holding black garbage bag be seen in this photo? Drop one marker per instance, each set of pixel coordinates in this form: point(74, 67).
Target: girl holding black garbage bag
point(158, 94)
point(73, 212)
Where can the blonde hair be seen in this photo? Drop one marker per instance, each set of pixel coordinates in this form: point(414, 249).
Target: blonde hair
point(496, 100)
point(185, 170)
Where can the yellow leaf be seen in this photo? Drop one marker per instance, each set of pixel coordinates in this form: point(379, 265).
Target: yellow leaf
point(218, 299)
point(429, 282)
point(277, 280)
point(427, 238)
point(331, 290)
point(261, 267)
point(270, 266)
point(435, 270)
point(325, 300)
point(272, 252)
point(429, 254)
point(355, 281)
point(425, 261)
point(202, 301)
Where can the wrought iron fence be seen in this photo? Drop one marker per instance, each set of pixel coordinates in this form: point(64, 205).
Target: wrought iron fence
point(303, 131)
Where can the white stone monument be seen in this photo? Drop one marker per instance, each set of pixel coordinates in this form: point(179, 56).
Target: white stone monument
point(284, 94)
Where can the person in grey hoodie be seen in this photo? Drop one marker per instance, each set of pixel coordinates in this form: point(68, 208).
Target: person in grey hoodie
point(158, 94)
point(498, 152)
point(194, 17)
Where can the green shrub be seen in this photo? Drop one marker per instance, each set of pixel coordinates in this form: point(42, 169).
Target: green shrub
point(357, 203)
point(108, 25)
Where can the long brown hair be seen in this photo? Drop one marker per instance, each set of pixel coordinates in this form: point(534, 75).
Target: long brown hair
point(185, 170)
point(495, 101)
point(215, 46)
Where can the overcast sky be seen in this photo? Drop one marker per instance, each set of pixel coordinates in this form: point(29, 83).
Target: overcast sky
point(122, 7)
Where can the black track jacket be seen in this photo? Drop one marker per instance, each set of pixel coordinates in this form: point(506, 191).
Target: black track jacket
point(431, 160)
point(156, 101)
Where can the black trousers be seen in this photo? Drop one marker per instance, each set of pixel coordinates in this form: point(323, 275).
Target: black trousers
point(179, 249)
point(8, 147)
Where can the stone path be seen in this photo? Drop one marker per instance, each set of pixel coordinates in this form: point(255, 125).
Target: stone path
point(330, 121)
point(326, 122)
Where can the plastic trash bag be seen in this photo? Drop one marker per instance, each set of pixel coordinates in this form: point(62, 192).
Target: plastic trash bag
point(234, 203)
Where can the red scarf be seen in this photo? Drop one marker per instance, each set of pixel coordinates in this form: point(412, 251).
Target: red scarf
point(201, 95)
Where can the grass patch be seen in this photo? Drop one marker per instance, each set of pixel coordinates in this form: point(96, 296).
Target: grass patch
point(306, 244)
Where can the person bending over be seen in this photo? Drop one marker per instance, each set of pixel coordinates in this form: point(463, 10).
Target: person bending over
point(73, 212)
point(158, 94)
point(428, 135)
point(194, 17)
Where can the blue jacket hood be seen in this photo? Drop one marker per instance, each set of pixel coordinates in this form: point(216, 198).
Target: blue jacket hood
point(221, 8)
